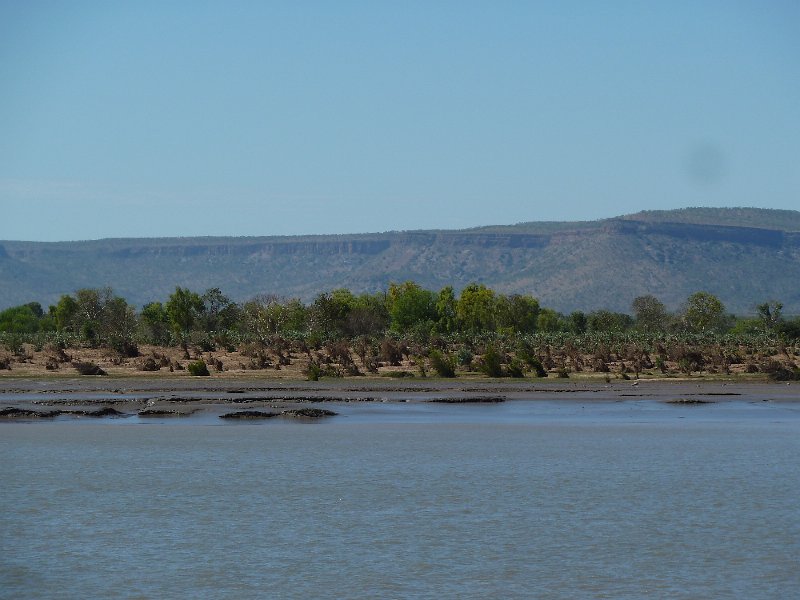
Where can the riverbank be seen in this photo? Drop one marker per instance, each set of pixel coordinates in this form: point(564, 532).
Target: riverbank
point(284, 360)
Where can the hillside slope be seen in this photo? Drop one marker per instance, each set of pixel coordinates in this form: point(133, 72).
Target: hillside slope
point(745, 256)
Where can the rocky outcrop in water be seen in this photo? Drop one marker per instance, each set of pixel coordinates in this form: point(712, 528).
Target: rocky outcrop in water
point(162, 412)
point(22, 413)
point(249, 414)
point(469, 400)
point(99, 413)
point(309, 413)
point(689, 401)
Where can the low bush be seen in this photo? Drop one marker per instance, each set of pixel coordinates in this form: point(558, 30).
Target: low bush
point(125, 347)
point(492, 363)
point(397, 374)
point(88, 368)
point(316, 370)
point(443, 364)
point(464, 357)
point(516, 369)
point(149, 364)
point(198, 368)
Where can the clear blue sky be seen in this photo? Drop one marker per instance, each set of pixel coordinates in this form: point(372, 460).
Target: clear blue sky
point(168, 118)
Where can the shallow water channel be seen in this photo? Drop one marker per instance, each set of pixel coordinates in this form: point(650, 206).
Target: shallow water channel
point(593, 496)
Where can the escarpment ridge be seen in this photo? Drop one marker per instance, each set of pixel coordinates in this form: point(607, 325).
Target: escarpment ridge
point(744, 256)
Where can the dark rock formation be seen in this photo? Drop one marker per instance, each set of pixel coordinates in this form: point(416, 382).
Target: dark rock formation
point(100, 412)
point(162, 412)
point(22, 413)
point(689, 401)
point(249, 414)
point(469, 400)
point(311, 413)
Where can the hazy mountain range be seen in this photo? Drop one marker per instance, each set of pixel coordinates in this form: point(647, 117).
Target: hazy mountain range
point(743, 255)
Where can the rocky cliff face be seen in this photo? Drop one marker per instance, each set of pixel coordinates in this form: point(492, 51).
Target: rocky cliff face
point(568, 266)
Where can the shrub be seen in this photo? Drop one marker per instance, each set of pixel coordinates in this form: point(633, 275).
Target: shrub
point(785, 374)
point(443, 364)
point(516, 370)
point(206, 344)
point(14, 343)
point(125, 347)
point(149, 364)
point(88, 368)
point(316, 370)
point(525, 356)
point(391, 352)
point(464, 357)
point(537, 367)
point(491, 365)
point(397, 374)
point(198, 368)
point(420, 362)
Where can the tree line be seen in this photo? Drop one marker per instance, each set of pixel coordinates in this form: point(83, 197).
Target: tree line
point(98, 317)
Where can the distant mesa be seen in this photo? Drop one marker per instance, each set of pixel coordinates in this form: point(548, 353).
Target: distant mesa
point(743, 255)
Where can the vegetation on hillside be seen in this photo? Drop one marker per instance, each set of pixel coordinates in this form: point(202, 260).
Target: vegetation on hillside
point(408, 328)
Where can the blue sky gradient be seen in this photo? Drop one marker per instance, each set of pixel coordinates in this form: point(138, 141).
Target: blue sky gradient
point(144, 119)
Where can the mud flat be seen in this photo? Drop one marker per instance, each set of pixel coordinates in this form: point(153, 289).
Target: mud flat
point(113, 398)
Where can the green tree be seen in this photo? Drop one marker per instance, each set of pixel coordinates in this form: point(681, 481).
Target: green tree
point(476, 308)
point(446, 317)
point(184, 308)
point(368, 315)
point(650, 314)
point(328, 313)
point(219, 312)
point(267, 315)
point(790, 328)
point(294, 316)
point(770, 314)
point(64, 313)
point(608, 321)
point(45, 320)
point(19, 319)
point(410, 306)
point(89, 315)
point(36, 309)
point(517, 313)
point(549, 321)
point(99, 316)
point(118, 325)
point(578, 322)
point(155, 324)
point(704, 312)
